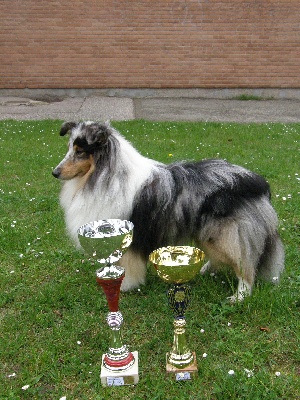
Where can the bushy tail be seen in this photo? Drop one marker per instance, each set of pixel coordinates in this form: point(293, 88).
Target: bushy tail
point(272, 261)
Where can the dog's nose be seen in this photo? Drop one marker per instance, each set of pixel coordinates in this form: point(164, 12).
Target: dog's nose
point(56, 173)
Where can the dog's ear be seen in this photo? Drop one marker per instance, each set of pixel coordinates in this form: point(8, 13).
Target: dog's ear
point(98, 134)
point(66, 127)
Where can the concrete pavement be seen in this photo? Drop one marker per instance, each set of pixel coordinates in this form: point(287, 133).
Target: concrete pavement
point(164, 108)
point(67, 109)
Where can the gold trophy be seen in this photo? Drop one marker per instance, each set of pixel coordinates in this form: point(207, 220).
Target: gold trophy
point(178, 265)
point(111, 238)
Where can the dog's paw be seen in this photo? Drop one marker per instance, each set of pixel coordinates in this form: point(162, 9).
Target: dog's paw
point(239, 295)
point(206, 267)
point(236, 298)
point(128, 285)
point(244, 290)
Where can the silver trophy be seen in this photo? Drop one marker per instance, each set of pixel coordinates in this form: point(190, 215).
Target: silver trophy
point(106, 241)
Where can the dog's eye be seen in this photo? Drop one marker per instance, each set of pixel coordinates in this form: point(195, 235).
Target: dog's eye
point(79, 152)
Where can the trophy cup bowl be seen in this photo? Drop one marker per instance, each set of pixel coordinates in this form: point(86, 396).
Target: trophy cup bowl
point(106, 238)
point(109, 239)
point(178, 265)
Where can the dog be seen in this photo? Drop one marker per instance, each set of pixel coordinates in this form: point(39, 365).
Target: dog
point(223, 209)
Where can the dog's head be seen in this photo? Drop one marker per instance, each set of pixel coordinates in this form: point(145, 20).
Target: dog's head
point(88, 143)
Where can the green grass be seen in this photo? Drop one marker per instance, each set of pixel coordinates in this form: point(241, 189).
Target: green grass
point(249, 97)
point(49, 300)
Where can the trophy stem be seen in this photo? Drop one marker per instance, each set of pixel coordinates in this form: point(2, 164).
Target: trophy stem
point(180, 356)
point(111, 288)
point(118, 357)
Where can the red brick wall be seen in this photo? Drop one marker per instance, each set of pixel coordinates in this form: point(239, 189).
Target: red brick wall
point(149, 43)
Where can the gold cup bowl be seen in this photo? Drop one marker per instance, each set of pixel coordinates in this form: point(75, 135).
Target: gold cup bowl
point(177, 264)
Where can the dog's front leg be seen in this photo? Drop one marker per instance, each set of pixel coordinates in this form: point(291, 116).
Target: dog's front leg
point(135, 270)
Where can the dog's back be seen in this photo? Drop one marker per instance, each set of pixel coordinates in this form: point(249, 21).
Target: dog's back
point(223, 208)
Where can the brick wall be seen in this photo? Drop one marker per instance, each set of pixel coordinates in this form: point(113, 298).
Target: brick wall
point(149, 43)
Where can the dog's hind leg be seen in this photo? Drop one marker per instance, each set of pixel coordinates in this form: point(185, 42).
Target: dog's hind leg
point(272, 261)
point(135, 270)
point(229, 247)
point(244, 268)
point(244, 289)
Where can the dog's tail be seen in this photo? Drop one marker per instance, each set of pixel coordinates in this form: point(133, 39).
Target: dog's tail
point(272, 261)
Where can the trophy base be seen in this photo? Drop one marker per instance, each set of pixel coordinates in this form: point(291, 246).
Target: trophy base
point(183, 374)
point(120, 378)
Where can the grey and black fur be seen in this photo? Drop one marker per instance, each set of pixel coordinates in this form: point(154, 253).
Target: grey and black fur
point(222, 208)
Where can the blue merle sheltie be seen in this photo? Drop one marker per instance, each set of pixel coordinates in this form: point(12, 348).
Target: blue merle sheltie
point(222, 208)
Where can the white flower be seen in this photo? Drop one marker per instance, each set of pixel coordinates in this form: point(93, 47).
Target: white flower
point(229, 324)
point(78, 342)
point(249, 372)
point(277, 373)
point(202, 330)
point(63, 398)
point(12, 375)
point(204, 355)
point(25, 387)
point(231, 372)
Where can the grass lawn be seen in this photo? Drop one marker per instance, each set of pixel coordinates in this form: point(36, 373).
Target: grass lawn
point(52, 314)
